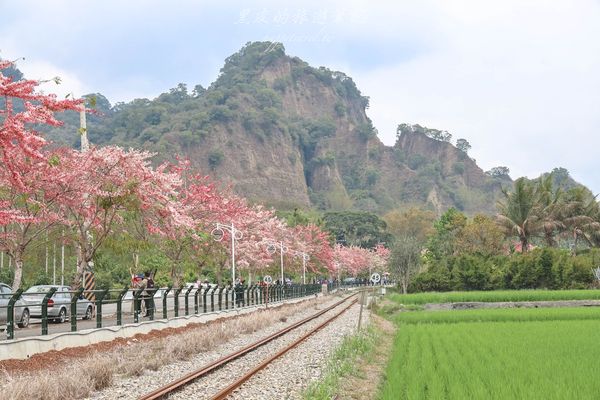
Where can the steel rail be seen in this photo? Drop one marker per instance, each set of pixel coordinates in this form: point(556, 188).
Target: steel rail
point(185, 380)
point(235, 385)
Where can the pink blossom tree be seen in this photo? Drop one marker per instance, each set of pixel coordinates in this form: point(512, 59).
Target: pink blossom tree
point(351, 260)
point(380, 256)
point(161, 219)
point(261, 229)
point(207, 205)
point(313, 241)
point(19, 140)
point(29, 209)
point(102, 184)
point(27, 172)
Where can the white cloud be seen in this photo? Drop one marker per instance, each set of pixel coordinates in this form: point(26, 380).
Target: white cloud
point(69, 84)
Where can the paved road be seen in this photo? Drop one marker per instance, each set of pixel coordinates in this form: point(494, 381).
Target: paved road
point(108, 317)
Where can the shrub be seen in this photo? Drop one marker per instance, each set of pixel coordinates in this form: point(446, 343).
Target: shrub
point(339, 108)
point(366, 131)
point(458, 168)
point(280, 84)
point(215, 158)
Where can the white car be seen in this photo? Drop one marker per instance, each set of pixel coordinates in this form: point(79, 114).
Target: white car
point(59, 305)
point(21, 309)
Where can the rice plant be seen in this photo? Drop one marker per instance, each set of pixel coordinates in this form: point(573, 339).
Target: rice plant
point(495, 296)
point(495, 354)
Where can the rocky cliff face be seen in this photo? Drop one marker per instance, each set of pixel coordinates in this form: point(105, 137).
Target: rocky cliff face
point(282, 132)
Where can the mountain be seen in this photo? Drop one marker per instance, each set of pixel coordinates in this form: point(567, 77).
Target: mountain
point(290, 135)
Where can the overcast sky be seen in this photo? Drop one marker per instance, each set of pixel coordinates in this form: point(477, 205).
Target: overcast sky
point(520, 80)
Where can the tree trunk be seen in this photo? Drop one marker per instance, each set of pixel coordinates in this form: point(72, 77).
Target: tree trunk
point(524, 244)
point(175, 276)
point(84, 256)
point(549, 236)
point(18, 256)
point(404, 282)
point(219, 275)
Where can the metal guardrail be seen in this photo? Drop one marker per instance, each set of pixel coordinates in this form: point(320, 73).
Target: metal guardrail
point(205, 299)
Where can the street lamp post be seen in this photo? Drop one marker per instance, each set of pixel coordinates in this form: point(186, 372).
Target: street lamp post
point(337, 267)
point(272, 248)
point(305, 258)
point(218, 234)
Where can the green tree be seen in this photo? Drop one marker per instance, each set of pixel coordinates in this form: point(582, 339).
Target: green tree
point(436, 278)
point(481, 235)
point(463, 145)
point(580, 214)
point(549, 209)
point(447, 229)
point(356, 228)
point(300, 217)
point(471, 273)
point(215, 158)
point(414, 222)
point(405, 260)
point(499, 172)
point(198, 91)
point(520, 212)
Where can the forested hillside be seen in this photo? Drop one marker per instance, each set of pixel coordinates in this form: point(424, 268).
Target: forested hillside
point(291, 135)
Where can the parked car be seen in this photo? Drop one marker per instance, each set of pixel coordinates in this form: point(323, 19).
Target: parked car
point(59, 305)
point(21, 310)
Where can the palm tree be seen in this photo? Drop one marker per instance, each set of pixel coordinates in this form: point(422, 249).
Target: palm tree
point(579, 213)
point(551, 207)
point(519, 213)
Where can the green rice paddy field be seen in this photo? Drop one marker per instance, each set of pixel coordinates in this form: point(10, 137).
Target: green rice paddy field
point(495, 354)
point(496, 295)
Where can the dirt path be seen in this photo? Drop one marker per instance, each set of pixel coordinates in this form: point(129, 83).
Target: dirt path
point(364, 383)
point(511, 304)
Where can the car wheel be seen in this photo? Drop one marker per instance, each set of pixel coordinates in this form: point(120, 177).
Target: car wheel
point(24, 319)
point(62, 316)
point(88, 313)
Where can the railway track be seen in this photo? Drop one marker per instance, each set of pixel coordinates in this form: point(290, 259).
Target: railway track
point(179, 384)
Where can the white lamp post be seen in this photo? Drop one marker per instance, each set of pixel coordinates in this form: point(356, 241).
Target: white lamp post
point(272, 248)
point(337, 267)
point(218, 234)
point(305, 258)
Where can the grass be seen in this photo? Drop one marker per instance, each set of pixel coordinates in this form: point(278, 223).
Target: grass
point(514, 353)
point(495, 296)
point(499, 315)
point(495, 360)
point(342, 364)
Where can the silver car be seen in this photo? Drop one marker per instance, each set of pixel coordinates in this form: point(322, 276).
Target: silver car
point(21, 308)
point(59, 305)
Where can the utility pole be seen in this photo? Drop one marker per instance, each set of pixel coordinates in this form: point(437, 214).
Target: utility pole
point(46, 253)
point(54, 263)
point(85, 144)
point(62, 260)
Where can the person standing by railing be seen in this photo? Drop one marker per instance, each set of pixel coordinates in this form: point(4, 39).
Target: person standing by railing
point(239, 292)
point(140, 290)
point(149, 295)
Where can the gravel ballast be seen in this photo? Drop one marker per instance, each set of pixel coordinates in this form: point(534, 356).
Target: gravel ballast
point(286, 378)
